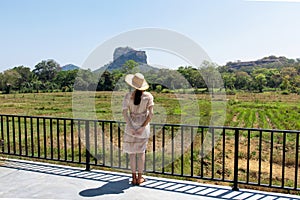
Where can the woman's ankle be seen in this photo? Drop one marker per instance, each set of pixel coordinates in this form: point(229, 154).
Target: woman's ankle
point(133, 175)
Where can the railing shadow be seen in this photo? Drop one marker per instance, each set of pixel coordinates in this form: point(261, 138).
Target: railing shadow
point(117, 183)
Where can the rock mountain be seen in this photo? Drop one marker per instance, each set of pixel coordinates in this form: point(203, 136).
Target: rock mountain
point(123, 54)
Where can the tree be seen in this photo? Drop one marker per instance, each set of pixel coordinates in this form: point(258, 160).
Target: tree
point(260, 82)
point(10, 80)
point(86, 80)
point(66, 79)
point(106, 82)
point(130, 66)
point(46, 70)
point(211, 75)
point(229, 80)
point(24, 76)
point(192, 75)
point(242, 80)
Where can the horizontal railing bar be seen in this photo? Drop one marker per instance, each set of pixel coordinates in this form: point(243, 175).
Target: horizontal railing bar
point(160, 124)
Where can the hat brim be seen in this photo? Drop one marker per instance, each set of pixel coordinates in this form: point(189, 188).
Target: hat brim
point(128, 80)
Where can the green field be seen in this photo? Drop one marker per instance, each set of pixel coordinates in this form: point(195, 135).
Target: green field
point(249, 110)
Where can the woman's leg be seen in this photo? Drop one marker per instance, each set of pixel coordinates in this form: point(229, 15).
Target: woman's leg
point(132, 159)
point(141, 163)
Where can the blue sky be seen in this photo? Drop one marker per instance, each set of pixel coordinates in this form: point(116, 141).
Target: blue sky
point(68, 31)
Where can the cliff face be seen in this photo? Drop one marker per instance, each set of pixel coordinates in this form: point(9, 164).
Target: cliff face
point(123, 54)
point(271, 61)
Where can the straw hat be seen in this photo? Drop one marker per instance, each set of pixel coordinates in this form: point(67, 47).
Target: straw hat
point(137, 81)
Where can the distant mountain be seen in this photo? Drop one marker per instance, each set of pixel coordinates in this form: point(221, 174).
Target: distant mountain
point(123, 54)
point(266, 62)
point(69, 67)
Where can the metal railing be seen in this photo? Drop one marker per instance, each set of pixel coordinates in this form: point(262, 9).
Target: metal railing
point(257, 157)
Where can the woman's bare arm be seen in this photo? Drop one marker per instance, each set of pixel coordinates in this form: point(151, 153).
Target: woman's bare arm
point(149, 117)
point(126, 118)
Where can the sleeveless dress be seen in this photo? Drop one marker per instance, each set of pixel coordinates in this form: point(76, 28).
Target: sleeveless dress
point(137, 115)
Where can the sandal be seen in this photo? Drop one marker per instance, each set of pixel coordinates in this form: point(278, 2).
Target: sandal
point(141, 180)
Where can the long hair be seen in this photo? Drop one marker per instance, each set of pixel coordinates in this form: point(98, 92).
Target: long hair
point(137, 97)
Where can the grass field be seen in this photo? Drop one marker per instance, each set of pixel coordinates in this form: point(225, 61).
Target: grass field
point(250, 110)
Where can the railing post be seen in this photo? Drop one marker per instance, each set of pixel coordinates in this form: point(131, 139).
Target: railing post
point(87, 146)
point(2, 135)
point(236, 160)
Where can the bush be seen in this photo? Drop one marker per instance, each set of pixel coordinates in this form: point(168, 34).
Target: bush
point(285, 92)
point(230, 92)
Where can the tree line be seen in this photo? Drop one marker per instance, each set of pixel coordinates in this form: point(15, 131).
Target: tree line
point(48, 76)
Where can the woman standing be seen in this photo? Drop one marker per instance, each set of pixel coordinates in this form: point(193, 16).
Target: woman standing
point(137, 112)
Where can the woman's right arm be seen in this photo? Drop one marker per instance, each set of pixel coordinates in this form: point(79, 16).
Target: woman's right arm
point(128, 120)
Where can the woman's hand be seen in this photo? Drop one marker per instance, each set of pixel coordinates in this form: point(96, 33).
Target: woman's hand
point(140, 130)
point(131, 130)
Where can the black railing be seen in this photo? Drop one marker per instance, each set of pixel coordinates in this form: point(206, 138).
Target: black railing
point(257, 157)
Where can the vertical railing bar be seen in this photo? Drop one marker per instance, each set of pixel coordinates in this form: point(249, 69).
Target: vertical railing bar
point(45, 137)
point(271, 159)
point(192, 151)
point(2, 134)
point(202, 152)
point(111, 143)
point(154, 127)
point(72, 139)
point(163, 151)
point(172, 142)
point(51, 137)
point(32, 137)
point(182, 151)
point(26, 136)
point(223, 154)
point(65, 140)
point(119, 144)
point(38, 136)
point(14, 134)
point(213, 153)
point(127, 161)
point(7, 133)
point(87, 145)
point(58, 139)
point(259, 156)
point(296, 161)
point(236, 160)
point(95, 142)
point(103, 143)
point(79, 141)
point(20, 135)
point(283, 159)
point(248, 156)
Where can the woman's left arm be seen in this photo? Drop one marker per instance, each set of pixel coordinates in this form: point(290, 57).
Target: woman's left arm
point(148, 119)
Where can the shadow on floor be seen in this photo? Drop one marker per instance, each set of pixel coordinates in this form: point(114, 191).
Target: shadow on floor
point(116, 187)
point(116, 183)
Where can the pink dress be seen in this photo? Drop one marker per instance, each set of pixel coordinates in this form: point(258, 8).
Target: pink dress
point(137, 115)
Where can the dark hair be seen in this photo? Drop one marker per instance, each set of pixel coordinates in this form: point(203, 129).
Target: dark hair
point(137, 97)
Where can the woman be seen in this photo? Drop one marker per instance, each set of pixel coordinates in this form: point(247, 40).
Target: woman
point(137, 112)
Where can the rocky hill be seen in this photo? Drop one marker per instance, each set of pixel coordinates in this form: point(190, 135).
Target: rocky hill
point(123, 54)
point(266, 62)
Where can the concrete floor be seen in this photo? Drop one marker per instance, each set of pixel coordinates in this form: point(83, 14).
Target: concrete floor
point(21, 179)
